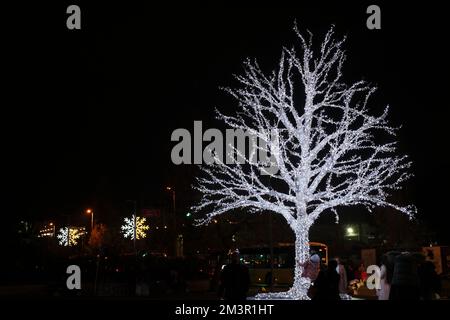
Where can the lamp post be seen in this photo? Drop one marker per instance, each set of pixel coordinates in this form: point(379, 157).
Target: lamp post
point(134, 202)
point(91, 212)
point(172, 190)
point(173, 198)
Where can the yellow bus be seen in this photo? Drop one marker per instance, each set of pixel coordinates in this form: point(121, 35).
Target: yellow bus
point(258, 260)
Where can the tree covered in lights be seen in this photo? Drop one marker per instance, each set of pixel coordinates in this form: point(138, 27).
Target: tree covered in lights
point(68, 236)
point(326, 147)
point(129, 230)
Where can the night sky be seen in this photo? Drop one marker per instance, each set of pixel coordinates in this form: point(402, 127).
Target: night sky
point(87, 115)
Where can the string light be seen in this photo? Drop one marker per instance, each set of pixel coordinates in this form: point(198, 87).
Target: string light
point(325, 152)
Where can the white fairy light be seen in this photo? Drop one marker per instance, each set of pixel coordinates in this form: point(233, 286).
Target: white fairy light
point(326, 151)
point(128, 228)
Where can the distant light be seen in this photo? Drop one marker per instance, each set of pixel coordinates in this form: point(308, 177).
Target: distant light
point(350, 231)
point(188, 214)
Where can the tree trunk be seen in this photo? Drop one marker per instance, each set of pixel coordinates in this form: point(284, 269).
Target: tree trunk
point(301, 284)
point(299, 290)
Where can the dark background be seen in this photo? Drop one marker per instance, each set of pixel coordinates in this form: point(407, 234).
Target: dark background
point(87, 114)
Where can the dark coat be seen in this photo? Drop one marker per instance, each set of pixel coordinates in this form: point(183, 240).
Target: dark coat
point(326, 286)
point(234, 282)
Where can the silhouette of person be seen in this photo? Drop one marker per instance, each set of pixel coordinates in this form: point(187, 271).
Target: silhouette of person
point(405, 279)
point(327, 283)
point(234, 280)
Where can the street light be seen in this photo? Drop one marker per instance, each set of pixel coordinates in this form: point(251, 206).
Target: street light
point(350, 232)
point(91, 212)
point(173, 202)
point(171, 189)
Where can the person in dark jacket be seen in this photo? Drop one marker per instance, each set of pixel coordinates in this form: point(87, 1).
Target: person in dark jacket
point(234, 280)
point(405, 279)
point(327, 283)
point(430, 284)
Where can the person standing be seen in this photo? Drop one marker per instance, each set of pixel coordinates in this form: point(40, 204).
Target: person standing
point(340, 269)
point(386, 272)
point(311, 267)
point(405, 280)
point(234, 280)
point(327, 283)
point(430, 284)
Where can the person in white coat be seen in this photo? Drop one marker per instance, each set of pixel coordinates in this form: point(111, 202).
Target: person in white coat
point(340, 269)
point(386, 273)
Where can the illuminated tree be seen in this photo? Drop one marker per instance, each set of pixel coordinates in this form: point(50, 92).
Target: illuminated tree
point(97, 236)
point(322, 139)
point(129, 230)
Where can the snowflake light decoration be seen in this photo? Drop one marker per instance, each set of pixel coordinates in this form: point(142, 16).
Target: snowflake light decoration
point(128, 228)
point(69, 236)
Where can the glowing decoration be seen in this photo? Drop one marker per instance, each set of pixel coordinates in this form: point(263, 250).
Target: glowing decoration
point(68, 236)
point(129, 229)
point(325, 149)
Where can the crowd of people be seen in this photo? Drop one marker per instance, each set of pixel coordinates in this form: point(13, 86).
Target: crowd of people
point(402, 276)
point(410, 276)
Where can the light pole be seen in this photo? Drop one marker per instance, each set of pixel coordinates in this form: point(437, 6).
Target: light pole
point(134, 224)
point(91, 212)
point(173, 198)
point(134, 202)
point(173, 205)
point(172, 190)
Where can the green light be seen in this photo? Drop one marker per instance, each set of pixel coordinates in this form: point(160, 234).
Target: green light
point(188, 214)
